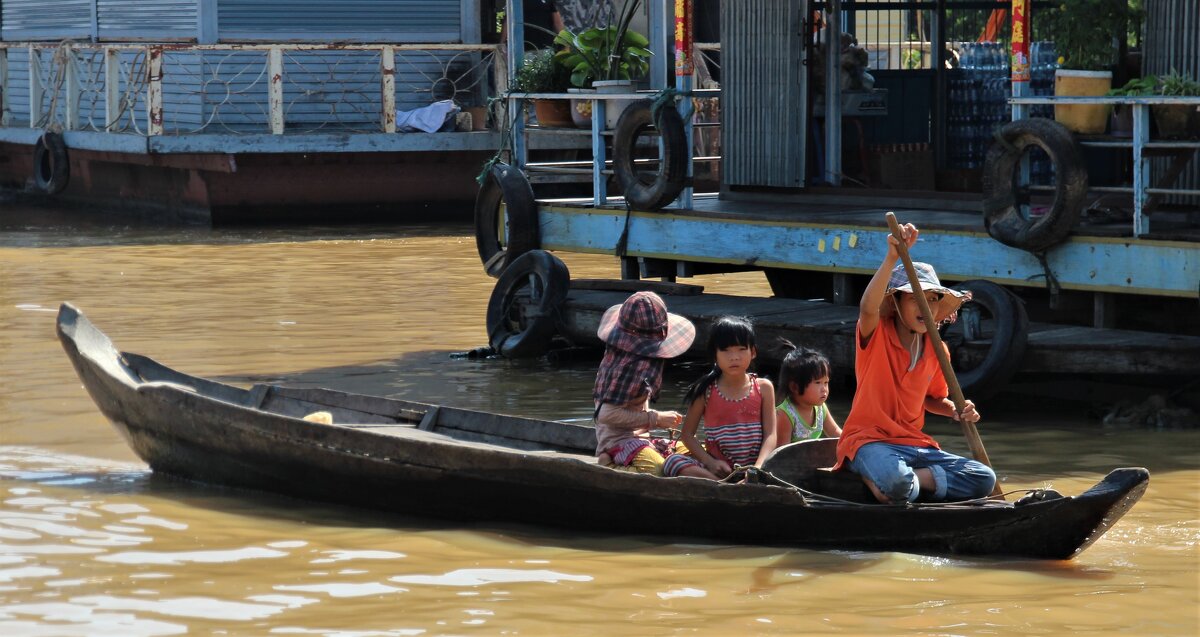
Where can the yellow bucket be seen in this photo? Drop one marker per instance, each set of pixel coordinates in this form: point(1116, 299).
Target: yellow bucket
point(1086, 119)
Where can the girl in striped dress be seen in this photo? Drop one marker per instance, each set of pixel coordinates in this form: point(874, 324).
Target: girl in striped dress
point(736, 406)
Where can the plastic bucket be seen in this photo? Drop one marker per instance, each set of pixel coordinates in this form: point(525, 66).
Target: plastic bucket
point(1086, 119)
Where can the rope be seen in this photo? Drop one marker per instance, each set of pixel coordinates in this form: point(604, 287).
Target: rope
point(766, 477)
point(1052, 284)
point(623, 241)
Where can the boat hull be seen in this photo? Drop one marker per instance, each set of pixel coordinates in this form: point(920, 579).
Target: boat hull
point(448, 465)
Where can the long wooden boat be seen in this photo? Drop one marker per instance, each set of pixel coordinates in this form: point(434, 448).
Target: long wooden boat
point(441, 461)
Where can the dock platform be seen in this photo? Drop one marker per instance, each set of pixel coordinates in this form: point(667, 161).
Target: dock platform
point(829, 328)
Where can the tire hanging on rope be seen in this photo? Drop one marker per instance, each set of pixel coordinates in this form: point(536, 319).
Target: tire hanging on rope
point(504, 234)
point(51, 166)
point(524, 308)
point(1001, 207)
point(996, 313)
point(650, 190)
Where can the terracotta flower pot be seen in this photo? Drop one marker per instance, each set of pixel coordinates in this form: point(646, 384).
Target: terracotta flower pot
point(553, 113)
point(1175, 121)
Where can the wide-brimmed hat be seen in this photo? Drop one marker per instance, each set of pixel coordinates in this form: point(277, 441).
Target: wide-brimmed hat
point(641, 325)
point(942, 310)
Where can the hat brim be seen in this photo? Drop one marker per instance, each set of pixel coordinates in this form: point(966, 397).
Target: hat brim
point(680, 335)
point(950, 303)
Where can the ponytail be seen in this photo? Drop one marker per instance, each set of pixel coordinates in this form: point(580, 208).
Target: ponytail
point(700, 387)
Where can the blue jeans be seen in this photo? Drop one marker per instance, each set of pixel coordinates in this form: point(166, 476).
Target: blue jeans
point(891, 467)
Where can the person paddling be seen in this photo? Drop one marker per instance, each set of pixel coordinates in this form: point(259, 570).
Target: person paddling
point(899, 379)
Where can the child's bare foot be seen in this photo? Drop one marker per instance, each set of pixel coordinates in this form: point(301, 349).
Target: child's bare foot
point(604, 460)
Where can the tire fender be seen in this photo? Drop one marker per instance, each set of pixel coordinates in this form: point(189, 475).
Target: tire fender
point(1002, 211)
point(500, 241)
point(51, 166)
point(644, 190)
point(523, 310)
point(1010, 335)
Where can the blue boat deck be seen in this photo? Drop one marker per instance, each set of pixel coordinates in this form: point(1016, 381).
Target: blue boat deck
point(847, 235)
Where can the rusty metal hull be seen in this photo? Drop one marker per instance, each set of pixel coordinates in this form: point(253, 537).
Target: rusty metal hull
point(424, 459)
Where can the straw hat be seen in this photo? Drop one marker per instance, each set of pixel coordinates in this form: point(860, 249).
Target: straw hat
point(943, 310)
point(641, 325)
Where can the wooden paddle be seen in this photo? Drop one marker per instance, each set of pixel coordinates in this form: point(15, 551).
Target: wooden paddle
point(974, 442)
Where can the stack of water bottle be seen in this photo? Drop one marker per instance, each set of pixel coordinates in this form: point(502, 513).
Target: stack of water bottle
point(1043, 61)
point(979, 89)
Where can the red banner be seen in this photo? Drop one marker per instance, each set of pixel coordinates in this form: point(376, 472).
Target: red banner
point(1020, 40)
point(684, 65)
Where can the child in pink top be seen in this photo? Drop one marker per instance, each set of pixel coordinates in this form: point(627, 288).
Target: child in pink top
point(737, 407)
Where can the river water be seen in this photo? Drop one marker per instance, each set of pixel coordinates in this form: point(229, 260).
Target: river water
point(91, 543)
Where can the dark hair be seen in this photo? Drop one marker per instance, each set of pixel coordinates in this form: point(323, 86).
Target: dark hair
point(727, 331)
point(802, 366)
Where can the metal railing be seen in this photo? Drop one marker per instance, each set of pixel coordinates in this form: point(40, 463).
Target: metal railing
point(160, 89)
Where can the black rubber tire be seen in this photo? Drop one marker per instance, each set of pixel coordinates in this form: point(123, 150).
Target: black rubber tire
point(644, 190)
point(523, 311)
point(1001, 208)
point(1010, 335)
point(505, 184)
point(51, 166)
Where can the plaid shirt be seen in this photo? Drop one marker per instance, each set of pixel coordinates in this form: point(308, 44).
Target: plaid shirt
point(625, 377)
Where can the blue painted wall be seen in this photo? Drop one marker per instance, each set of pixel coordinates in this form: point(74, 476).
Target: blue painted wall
point(399, 21)
point(343, 21)
point(46, 19)
point(157, 20)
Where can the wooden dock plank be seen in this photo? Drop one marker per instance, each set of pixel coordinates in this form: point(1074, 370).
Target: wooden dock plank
point(830, 329)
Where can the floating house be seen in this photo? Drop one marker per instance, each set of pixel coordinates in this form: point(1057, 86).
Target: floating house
point(226, 110)
point(1084, 250)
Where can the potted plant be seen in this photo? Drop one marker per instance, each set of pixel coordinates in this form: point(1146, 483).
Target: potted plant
point(1176, 121)
point(542, 73)
point(1122, 115)
point(1084, 33)
point(606, 58)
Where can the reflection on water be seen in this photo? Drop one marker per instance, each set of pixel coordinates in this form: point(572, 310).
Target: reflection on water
point(93, 543)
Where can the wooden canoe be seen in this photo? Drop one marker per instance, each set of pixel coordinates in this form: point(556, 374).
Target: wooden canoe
point(440, 461)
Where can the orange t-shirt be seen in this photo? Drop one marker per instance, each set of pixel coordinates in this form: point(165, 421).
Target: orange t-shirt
point(889, 404)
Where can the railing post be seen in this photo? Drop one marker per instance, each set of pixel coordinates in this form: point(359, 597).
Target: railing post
point(71, 120)
point(35, 86)
point(154, 104)
point(112, 88)
point(275, 89)
point(387, 62)
point(1141, 167)
point(5, 111)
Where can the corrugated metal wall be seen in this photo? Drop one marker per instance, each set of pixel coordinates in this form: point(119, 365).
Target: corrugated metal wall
point(157, 20)
point(346, 20)
point(763, 110)
point(45, 19)
point(1173, 42)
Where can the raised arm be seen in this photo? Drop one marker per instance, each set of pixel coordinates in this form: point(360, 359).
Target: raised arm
point(872, 298)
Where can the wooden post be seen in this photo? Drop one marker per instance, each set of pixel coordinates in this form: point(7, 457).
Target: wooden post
point(387, 84)
point(112, 88)
point(154, 104)
point(35, 87)
point(5, 112)
point(275, 89)
point(71, 87)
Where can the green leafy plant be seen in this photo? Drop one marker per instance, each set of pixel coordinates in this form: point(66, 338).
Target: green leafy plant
point(613, 52)
point(541, 73)
point(1138, 86)
point(1177, 84)
point(1084, 30)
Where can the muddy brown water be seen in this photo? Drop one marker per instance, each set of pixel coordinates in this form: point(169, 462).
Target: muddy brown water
point(92, 543)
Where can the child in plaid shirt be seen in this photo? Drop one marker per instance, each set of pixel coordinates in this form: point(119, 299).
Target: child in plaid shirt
point(640, 335)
